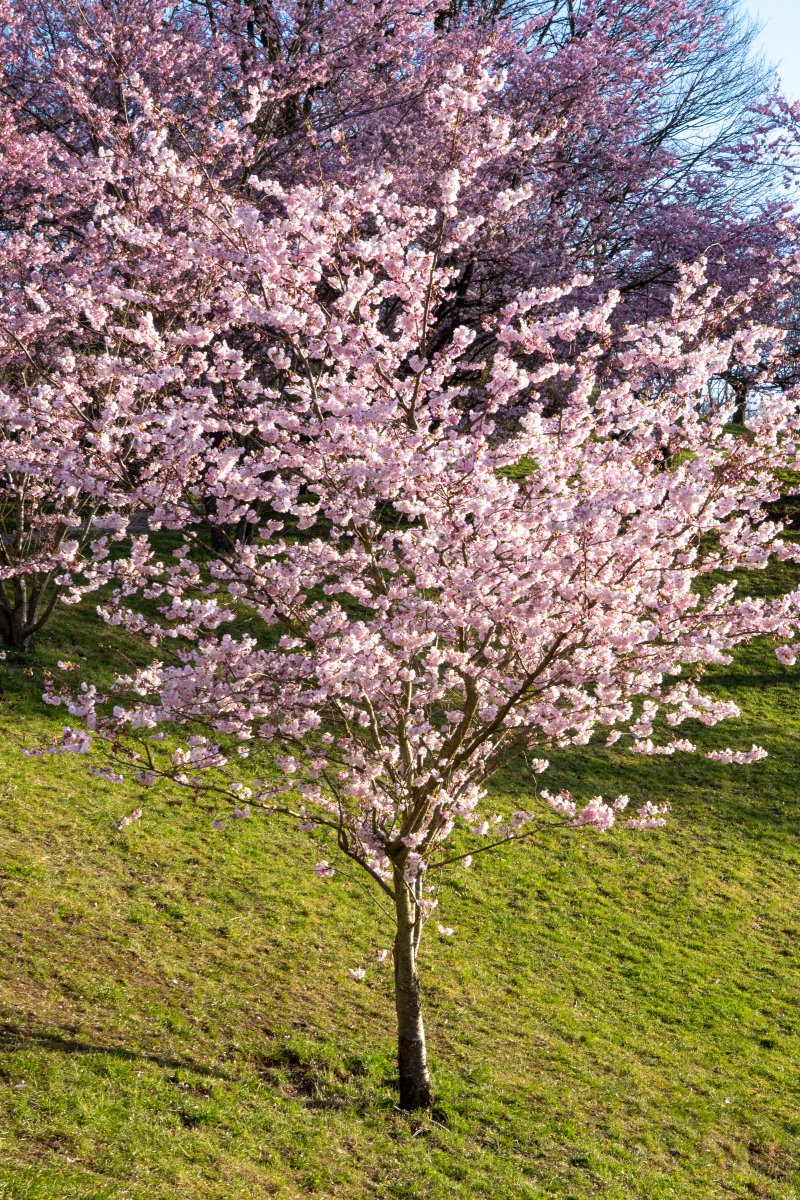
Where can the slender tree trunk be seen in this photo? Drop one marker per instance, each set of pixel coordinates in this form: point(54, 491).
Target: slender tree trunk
point(23, 613)
point(14, 622)
point(412, 1059)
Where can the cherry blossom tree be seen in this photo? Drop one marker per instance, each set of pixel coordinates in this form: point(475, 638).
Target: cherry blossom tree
point(636, 178)
point(317, 377)
point(416, 617)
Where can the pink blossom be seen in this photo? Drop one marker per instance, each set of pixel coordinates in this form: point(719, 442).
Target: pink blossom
point(650, 817)
point(561, 803)
point(134, 816)
point(106, 773)
point(738, 757)
point(647, 747)
point(596, 814)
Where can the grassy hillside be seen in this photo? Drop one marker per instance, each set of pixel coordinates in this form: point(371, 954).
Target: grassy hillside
point(617, 1016)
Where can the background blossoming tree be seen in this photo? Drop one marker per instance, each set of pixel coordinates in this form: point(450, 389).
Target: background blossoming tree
point(128, 127)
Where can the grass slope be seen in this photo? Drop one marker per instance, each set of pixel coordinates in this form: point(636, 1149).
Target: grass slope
point(617, 1016)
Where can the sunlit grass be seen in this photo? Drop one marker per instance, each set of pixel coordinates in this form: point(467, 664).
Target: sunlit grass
point(616, 1016)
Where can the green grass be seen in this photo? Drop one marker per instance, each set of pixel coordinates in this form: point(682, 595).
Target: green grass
point(617, 1016)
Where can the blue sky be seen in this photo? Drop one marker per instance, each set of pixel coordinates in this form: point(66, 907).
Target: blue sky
point(780, 39)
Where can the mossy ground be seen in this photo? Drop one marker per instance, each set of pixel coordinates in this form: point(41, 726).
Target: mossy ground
point(617, 1016)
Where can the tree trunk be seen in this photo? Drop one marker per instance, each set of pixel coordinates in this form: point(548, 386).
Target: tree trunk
point(24, 609)
point(740, 395)
point(412, 1059)
point(14, 618)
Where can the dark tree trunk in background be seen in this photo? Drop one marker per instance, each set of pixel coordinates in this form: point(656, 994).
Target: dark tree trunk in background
point(740, 395)
point(23, 612)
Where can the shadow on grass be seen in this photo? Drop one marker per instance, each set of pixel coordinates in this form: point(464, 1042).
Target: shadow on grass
point(769, 807)
point(733, 680)
point(12, 1037)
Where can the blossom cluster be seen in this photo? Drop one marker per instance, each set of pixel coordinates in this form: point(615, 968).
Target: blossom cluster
point(426, 516)
point(423, 616)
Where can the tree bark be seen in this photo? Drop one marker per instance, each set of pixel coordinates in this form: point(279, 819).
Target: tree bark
point(20, 617)
point(412, 1060)
point(740, 395)
point(14, 618)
